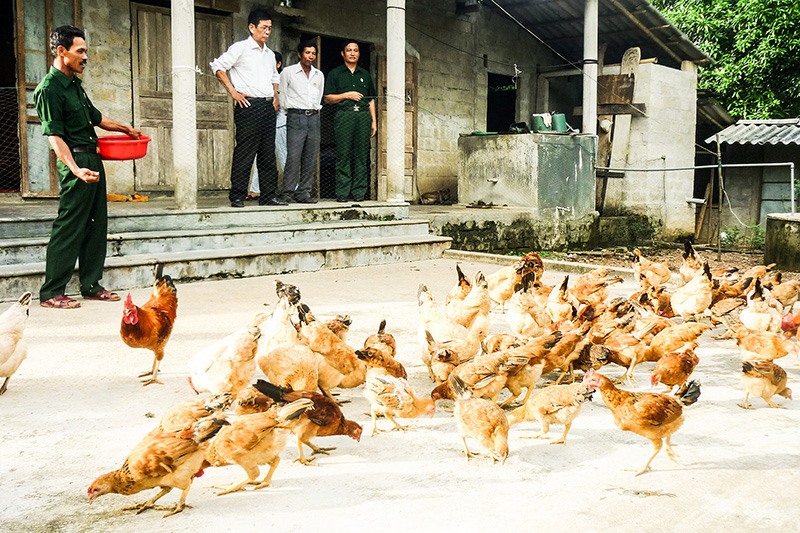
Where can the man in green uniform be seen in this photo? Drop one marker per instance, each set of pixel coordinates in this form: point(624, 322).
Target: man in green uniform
point(68, 120)
point(350, 88)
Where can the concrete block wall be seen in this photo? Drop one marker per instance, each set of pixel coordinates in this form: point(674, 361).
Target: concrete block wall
point(663, 139)
point(107, 78)
point(449, 49)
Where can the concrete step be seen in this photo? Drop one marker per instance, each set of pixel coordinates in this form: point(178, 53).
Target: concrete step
point(34, 249)
point(127, 272)
point(17, 223)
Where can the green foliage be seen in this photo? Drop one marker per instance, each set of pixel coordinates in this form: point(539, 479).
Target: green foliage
point(756, 47)
point(751, 238)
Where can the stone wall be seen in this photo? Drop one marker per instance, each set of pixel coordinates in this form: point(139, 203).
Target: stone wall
point(663, 139)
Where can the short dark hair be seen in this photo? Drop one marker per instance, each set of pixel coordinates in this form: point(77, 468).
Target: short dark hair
point(308, 43)
point(348, 41)
point(257, 15)
point(64, 36)
point(278, 59)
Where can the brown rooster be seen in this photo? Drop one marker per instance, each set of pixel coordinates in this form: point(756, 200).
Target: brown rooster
point(324, 419)
point(150, 325)
point(653, 416)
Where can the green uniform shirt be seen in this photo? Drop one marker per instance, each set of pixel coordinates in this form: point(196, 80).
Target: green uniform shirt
point(341, 80)
point(65, 110)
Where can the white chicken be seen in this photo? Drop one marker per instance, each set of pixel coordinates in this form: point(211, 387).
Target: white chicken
point(13, 348)
point(227, 365)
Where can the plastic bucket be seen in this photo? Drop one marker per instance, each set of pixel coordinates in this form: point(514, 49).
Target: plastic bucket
point(537, 121)
point(559, 122)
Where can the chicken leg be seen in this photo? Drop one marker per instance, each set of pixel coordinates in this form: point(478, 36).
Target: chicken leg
point(563, 438)
point(267, 481)
point(252, 474)
point(5, 386)
point(745, 404)
point(149, 504)
point(153, 374)
point(302, 458)
point(466, 449)
point(656, 448)
point(181, 505)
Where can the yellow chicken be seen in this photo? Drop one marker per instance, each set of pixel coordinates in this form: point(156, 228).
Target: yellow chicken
point(764, 379)
point(390, 397)
point(693, 299)
point(556, 404)
point(226, 366)
point(254, 440)
point(483, 420)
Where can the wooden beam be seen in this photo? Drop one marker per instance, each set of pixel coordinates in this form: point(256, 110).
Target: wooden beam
point(640, 110)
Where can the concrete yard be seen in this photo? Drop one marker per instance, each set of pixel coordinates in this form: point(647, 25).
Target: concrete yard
point(75, 409)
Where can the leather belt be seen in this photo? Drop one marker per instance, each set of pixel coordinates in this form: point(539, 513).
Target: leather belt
point(84, 149)
point(306, 112)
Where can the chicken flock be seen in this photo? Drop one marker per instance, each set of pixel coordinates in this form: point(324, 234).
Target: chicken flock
point(542, 370)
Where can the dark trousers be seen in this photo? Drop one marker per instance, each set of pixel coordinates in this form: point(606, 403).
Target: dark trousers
point(255, 136)
point(352, 130)
point(79, 231)
point(302, 151)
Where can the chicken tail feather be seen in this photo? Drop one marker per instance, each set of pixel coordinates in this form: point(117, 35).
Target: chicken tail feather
point(689, 393)
point(207, 427)
point(460, 389)
point(382, 327)
point(293, 410)
point(269, 389)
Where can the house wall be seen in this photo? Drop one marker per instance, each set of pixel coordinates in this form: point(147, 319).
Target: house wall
point(663, 139)
point(449, 50)
point(107, 78)
point(452, 79)
point(755, 192)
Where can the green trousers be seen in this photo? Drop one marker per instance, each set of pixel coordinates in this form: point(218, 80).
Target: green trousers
point(352, 130)
point(79, 231)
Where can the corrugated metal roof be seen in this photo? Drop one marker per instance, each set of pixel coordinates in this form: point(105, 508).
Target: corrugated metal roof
point(776, 131)
point(622, 24)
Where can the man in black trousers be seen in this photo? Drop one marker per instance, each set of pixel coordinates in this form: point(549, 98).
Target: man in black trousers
point(253, 85)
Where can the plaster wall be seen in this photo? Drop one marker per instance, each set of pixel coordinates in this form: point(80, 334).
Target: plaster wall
point(448, 50)
point(546, 173)
point(663, 139)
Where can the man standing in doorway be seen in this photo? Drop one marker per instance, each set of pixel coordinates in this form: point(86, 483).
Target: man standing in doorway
point(350, 87)
point(301, 95)
point(252, 84)
point(80, 229)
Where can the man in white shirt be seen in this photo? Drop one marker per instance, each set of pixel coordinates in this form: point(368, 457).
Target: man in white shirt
point(300, 94)
point(252, 84)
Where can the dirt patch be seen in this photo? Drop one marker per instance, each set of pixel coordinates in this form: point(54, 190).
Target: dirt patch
point(622, 257)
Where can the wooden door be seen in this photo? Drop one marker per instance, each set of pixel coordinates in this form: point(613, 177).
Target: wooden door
point(152, 99)
point(36, 19)
point(409, 185)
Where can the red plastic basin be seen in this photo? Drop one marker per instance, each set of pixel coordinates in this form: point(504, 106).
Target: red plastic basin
point(122, 147)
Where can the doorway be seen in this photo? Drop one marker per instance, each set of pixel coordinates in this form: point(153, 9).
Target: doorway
point(501, 103)
point(328, 58)
point(10, 165)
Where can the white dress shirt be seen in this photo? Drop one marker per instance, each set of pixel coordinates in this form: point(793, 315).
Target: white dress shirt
point(298, 91)
point(252, 68)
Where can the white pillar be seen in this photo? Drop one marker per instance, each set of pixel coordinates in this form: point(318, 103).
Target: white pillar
point(184, 110)
point(590, 67)
point(395, 99)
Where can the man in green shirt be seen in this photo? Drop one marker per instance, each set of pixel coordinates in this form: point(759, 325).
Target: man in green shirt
point(350, 88)
point(68, 120)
